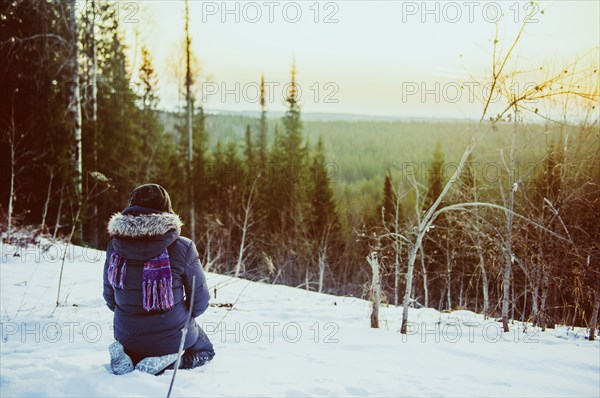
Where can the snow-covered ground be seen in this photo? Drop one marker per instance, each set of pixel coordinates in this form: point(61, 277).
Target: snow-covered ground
point(276, 341)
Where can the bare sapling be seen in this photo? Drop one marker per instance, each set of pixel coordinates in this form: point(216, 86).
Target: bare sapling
point(100, 185)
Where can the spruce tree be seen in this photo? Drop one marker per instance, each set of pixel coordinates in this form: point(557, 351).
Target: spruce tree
point(262, 134)
point(120, 132)
point(275, 181)
point(389, 202)
point(249, 170)
point(150, 125)
point(294, 164)
point(323, 210)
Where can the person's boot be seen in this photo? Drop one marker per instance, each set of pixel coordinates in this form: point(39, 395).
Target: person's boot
point(156, 365)
point(120, 362)
point(195, 359)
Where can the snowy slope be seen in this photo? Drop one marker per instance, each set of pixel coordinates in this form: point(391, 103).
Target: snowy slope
point(276, 341)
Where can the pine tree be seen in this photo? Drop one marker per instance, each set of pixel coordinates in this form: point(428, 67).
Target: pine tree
point(275, 182)
point(151, 127)
point(294, 164)
point(262, 134)
point(149, 80)
point(200, 163)
point(120, 133)
point(323, 209)
point(389, 202)
point(323, 221)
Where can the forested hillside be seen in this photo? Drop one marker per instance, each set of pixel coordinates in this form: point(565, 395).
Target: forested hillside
point(311, 204)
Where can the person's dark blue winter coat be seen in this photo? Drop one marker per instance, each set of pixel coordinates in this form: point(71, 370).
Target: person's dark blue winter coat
point(140, 233)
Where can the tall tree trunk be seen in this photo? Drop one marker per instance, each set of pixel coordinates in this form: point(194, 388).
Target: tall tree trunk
point(535, 300)
point(188, 90)
point(506, 291)
point(15, 141)
point(11, 193)
point(508, 256)
point(543, 315)
point(409, 278)
point(461, 301)
point(375, 289)
point(448, 273)
point(94, 101)
point(397, 247)
point(484, 284)
point(484, 279)
point(396, 279)
point(513, 301)
point(424, 272)
point(535, 295)
point(525, 294)
point(322, 264)
point(306, 280)
point(75, 101)
point(594, 319)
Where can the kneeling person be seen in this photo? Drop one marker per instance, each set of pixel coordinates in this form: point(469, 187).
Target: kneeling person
point(148, 285)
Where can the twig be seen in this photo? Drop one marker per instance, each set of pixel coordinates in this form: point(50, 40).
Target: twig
point(233, 305)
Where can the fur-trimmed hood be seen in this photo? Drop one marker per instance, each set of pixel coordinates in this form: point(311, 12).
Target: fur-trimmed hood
point(143, 225)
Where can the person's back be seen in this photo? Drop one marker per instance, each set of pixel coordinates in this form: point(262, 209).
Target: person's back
point(148, 278)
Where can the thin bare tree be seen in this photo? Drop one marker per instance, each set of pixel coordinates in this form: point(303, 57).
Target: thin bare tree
point(99, 185)
point(245, 226)
point(17, 154)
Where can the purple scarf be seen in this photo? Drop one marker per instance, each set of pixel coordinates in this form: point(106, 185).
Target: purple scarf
point(157, 280)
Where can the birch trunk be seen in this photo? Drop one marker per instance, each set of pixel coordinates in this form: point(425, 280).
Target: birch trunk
point(484, 279)
point(322, 264)
point(11, 193)
point(424, 272)
point(15, 144)
point(535, 300)
point(397, 248)
point(594, 320)
point(448, 274)
point(75, 100)
point(508, 256)
point(94, 101)
point(544, 298)
point(375, 289)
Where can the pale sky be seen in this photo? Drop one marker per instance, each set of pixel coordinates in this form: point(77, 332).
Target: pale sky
point(388, 58)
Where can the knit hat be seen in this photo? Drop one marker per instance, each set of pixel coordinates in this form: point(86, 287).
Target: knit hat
point(151, 196)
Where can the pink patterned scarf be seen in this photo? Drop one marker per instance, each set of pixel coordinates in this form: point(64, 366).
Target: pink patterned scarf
point(157, 280)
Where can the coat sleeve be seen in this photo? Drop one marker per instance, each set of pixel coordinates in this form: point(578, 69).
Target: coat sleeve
point(193, 268)
point(109, 292)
